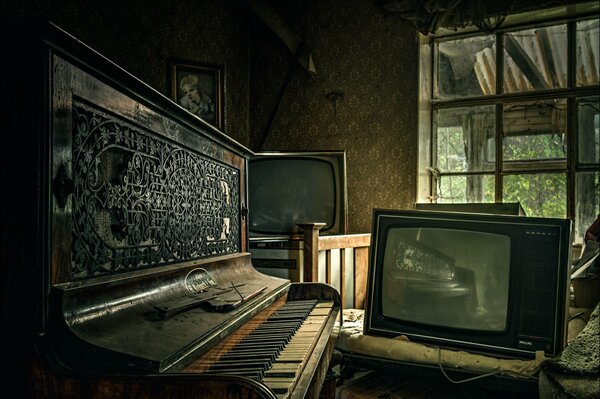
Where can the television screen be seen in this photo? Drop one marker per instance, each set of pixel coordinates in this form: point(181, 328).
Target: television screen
point(488, 283)
point(287, 188)
point(447, 278)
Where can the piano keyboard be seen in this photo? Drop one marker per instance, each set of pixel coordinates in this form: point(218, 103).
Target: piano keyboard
point(275, 351)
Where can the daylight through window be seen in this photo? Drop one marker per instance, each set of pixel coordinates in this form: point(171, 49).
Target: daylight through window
point(513, 118)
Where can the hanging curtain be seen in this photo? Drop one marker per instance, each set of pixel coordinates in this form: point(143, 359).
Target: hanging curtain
point(476, 128)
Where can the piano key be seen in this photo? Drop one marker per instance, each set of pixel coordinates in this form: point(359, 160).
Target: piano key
point(276, 350)
point(277, 345)
point(241, 350)
point(283, 370)
point(248, 364)
point(279, 385)
point(249, 356)
point(267, 339)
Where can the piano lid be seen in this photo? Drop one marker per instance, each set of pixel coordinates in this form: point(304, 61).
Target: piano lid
point(160, 320)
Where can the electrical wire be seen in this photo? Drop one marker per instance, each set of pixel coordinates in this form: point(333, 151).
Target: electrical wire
point(477, 377)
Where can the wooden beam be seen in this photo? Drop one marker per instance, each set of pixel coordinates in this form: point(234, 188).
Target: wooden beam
point(291, 39)
point(525, 63)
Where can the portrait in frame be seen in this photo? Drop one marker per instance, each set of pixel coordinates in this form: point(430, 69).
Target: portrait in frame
point(198, 87)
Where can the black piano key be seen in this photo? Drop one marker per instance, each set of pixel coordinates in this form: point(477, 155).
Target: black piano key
point(249, 356)
point(241, 350)
point(273, 327)
point(259, 350)
point(285, 317)
point(275, 330)
point(248, 364)
point(270, 345)
point(268, 339)
point(281, 335)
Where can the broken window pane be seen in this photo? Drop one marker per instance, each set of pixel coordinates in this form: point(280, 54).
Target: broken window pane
point(535, 59)
point(587, 49)
point(540, 194)
point(466, 67)
point(534, 130)
point(588, 130)
point(461, 189)
point(587, 202)
point(463, 139)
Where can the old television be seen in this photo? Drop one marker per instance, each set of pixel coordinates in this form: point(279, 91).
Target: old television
point(492, 284)
point(287, 188)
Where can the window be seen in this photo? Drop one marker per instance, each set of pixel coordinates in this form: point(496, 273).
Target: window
point(514, 116)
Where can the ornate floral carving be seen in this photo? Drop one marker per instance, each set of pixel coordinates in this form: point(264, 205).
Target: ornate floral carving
point(140, 200)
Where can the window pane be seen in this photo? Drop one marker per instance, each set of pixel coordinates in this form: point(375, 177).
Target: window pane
point(535, 59)
point(463, 139)
point(461, 189)
point(466, 67)
point(543, 194)
point(588, 62)
point(535, 130)
point(587, 202)
point(588, 130)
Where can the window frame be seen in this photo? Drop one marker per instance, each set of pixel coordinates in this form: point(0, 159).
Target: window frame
point(428, 106)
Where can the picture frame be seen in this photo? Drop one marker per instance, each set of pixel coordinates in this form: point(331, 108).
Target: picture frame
point(199, 87)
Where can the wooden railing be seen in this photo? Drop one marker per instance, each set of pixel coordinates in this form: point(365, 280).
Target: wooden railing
point(328, 254)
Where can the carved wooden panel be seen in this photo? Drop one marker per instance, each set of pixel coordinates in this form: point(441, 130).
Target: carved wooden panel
point(135, 181)
point(140, 200)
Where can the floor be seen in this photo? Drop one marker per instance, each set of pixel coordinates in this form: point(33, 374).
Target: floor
point(365, 384)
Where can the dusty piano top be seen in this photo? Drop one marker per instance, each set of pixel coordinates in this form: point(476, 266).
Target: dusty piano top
point(161, 319)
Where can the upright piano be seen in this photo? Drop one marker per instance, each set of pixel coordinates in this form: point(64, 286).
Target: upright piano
point(125, 270)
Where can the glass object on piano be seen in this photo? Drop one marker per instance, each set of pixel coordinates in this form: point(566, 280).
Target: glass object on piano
point(496, 284)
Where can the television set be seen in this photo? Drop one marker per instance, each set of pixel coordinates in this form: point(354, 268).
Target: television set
point(492, 284)
point(288, 188)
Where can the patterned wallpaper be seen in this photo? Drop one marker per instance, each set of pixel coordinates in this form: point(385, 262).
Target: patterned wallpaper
point(362, 100)
point(139, 36)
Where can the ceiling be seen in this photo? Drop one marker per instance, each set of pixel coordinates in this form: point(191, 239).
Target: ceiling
point(428, 16)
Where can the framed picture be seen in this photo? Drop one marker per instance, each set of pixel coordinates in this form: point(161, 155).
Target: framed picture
point(198, 87)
